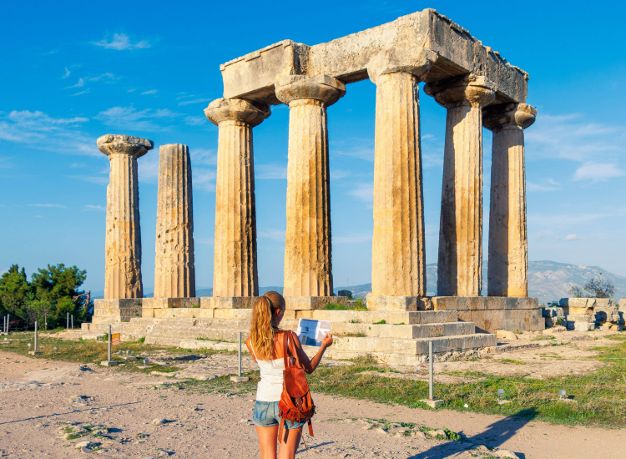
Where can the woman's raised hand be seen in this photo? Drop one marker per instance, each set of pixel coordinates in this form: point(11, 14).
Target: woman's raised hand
point(328, 340)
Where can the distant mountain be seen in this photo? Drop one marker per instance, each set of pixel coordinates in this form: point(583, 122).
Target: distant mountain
point(547, 280)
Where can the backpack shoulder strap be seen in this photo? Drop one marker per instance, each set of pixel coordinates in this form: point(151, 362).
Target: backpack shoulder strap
point(286, 349)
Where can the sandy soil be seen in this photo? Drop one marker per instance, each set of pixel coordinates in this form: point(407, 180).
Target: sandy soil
point(139, 417)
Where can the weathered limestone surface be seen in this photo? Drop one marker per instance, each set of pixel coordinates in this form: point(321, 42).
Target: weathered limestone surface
point(508, 241)
point(308, 270)
point(460, 233)
point(174, 271)
point(122, 271)
point(494, 313)
point(398, 258)
point(401, 42)
point(235, 262)
point(116, 310)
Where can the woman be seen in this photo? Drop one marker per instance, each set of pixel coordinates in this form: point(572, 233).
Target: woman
point(266, 345)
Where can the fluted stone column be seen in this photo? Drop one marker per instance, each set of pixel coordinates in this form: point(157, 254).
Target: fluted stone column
point(308, 271)
point(174, 271)
point(122, 271)
point(460, 233)
point(398, 238)
point(508, 242)
point(235, 259)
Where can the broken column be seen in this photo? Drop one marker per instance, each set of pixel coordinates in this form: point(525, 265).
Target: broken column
point(398, 261)
point(122, 272)
point(508, 242)
point(308, 272)
point(460, 233)
point(235, 259)
point(174, 271)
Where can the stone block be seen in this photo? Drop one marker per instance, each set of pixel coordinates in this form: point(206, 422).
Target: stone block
point(393, 303)
point(313, 302)
point(120, 310)
point(227, 302)
point(580, 322)
point(166, 303)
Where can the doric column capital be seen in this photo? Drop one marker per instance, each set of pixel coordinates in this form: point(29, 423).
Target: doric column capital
point(322, 88)
point(110, 144)
point(470, 90)
point(501, 116)
point(385, 65)
point(236, 110)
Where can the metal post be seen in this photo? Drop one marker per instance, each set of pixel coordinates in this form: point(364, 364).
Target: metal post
point(240, 340)
point(67, 320)
point(109, 345)
point(430, 370)
point(8, 322)
point(36, 348)
point(72, 316)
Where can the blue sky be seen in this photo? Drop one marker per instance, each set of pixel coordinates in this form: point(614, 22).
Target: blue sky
point(73, 70)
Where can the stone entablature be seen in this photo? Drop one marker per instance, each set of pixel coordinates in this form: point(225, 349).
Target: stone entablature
point(406, 43)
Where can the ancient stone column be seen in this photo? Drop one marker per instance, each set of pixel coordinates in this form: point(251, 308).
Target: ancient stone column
point(508, 243)
point(122, 270)
point(235, 262)
point(460, 233)
point(398, 236)
point(174, 271)
point(308, 271)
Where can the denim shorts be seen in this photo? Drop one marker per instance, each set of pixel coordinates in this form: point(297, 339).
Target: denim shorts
point(265, 414)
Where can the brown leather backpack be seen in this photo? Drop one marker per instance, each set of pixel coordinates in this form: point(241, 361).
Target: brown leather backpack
point(295, 402)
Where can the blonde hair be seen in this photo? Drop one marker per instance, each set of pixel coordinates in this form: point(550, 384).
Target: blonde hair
point(263, 324)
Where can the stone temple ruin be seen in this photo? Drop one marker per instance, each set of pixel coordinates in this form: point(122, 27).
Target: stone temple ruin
point(477, 87)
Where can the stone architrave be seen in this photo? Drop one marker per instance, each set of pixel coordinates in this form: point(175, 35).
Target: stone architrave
point(174, 270)
point(398, 236)
point(508, 242)
point(122, 271)
point(308, 271)
point(235, 259)
point(460, 233)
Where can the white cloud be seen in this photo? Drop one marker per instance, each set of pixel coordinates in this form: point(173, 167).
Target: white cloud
point(270, 171)
point(545, 185)
point(122, 42)
point(352, 239)
point(45, 132)
point(363, 192)
point(573, 138)
point(571, 237)
point(205, 156)
point(598, 172)
point(199, 101)
point(66, 73)
point(195, 120)
point(131, 118)
point(272, 235)
point(204, 179)
point(47, 205)
point(94, 207)
point(149, 92)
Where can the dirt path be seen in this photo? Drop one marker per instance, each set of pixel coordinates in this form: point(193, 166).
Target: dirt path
point(38, 398)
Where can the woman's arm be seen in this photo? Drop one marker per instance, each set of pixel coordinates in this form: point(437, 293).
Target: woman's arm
point(250, 349)
point(311, 364)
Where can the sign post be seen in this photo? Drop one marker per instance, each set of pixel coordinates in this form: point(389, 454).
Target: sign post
point(109, 362)
point(240, 378)
point(35, 350)
point(431, 401)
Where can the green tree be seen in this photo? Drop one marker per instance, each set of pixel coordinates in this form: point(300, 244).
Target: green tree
point(57, 291)
point(15, 292)
point(599, 287)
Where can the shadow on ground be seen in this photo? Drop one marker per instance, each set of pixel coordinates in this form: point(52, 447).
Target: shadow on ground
point(494, 436)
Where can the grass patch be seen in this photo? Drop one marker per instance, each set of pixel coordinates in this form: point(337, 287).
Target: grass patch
point(380, 322)
point(597, 397)
point(511, 361)
point(356, 305)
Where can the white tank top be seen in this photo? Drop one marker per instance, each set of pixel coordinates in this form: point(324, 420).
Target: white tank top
point(270, 387)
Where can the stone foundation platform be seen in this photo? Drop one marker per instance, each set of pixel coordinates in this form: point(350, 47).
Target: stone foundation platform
point(110, 311)
point(491, 313)
point(313, 302)
point(396, 338)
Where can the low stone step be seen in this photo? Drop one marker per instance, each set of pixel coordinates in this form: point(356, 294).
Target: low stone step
point(419, 346)
point(371, 317)
point(405, 331)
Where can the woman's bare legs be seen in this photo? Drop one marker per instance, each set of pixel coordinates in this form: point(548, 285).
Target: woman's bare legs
point(287, 450)
point(267, 441)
